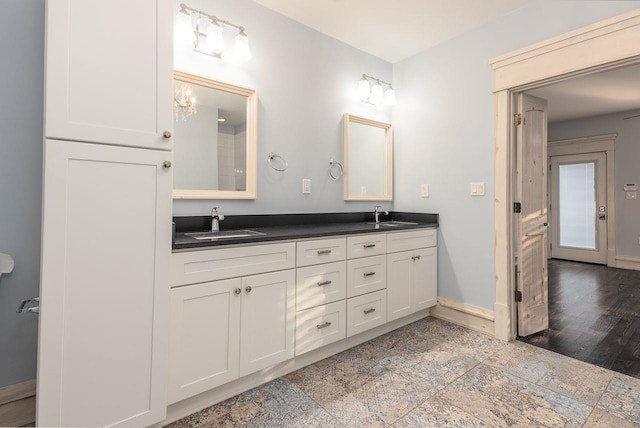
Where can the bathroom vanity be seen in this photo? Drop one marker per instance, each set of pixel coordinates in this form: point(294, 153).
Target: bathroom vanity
point(247, 309)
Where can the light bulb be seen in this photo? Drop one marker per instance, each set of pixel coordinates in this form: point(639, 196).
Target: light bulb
point(183, 32)
point(377, 97)
point(364, 91)
point(241, 47)
point(389, 97)
point(215, 42)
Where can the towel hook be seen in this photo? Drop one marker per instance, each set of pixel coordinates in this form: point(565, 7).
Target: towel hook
point(272, 156)
point(332, 164)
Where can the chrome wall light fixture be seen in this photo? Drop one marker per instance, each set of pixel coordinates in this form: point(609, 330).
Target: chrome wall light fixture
point(372, 90)
point(205, 32)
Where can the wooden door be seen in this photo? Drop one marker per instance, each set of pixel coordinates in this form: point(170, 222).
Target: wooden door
point(205, 337)
point(103, 332)
point(425, 278)
point(399, 285)
point(532, 279)
point(579, 207)
point(109, 71)
point(267, 322)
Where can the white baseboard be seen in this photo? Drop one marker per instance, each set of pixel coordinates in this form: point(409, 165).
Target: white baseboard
point(464, 314)
point(627, 262)
point(201, 401)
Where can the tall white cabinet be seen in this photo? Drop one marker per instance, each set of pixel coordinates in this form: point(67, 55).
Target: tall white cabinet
point(102, 351)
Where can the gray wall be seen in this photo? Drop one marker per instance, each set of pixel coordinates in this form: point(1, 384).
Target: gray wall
point(627, 159)
point(21, 74)
point(444, 135)
point(305, 82)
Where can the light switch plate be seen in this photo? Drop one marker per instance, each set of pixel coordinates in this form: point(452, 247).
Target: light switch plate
point(424, 190)
point(306, 186)
point(363, 190)
point(477, 188)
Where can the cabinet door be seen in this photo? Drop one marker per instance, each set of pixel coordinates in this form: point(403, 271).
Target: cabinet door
point(109, 71)
point(267, 325)
point(399, 285)
point(205, 337)
point(103, 332)
point(425, 278)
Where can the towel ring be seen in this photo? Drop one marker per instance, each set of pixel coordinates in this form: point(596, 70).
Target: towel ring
point(332, 164)
point(273, 156)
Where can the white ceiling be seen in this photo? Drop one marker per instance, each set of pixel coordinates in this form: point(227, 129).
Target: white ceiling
point(593, 95)
point(393, 30)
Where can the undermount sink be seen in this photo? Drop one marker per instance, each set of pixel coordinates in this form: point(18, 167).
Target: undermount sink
point(225, 234)
point(394, 223)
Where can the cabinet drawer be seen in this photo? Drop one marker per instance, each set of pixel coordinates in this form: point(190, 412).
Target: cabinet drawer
point(320, 284)
point(320, 326)
point(372, 244)
point(321, 251)
point(403, 241)
point(366, 275)
point(366, 312)
point(202, 266)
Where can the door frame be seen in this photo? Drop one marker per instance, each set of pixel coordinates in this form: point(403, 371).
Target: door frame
point(594, 144)
point(605, 45)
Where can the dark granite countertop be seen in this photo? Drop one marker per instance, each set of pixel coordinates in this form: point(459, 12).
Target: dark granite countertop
point(293, 226)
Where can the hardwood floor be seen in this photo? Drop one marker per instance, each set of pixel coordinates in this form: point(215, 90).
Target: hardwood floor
point(594, 315)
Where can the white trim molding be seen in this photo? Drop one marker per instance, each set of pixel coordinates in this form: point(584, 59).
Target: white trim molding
point(464, 314)
point(608, 44)
point(623, 262)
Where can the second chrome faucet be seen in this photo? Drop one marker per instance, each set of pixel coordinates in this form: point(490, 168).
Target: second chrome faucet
point(216, 218)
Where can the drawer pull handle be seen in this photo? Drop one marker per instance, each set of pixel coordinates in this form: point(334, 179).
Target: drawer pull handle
point(368, 311)
point(323, 325)
point(369, 273)
point(415, 258)
point(369, 245)
point(237, 290)
point(321, 252)
point(320, 284)
point(248, 289)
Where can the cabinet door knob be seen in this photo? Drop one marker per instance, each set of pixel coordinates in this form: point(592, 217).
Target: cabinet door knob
point(166, 135)
point(368, 311)
point(321, 252)
point(323, 325)
point(320, 284)
point(369, 245)
point(166, 164)
point(247, 289)
point(237, 291)
point(368, 273)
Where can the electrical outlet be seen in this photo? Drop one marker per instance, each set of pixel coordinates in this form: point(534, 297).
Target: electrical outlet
point(363, 190)
point(424, 190)
point(632, 195)
point(306, 186)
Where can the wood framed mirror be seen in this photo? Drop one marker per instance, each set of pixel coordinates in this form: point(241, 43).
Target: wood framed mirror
point(368, 157)
point(215, 135)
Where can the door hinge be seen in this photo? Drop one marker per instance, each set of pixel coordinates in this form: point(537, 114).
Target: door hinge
point(518, 296)
point(517, 119)
point(517, 207)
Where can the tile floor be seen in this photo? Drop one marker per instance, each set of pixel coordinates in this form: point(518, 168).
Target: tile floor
point(430, 374)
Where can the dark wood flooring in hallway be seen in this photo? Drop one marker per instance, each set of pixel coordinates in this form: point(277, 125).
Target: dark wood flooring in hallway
point(594, 315)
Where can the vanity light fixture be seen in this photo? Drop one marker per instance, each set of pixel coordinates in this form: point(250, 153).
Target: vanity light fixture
point(372, 90)
point(184, 103)
point(205, 32)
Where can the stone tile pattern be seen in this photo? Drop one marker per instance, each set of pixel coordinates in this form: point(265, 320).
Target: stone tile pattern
point(432, 374)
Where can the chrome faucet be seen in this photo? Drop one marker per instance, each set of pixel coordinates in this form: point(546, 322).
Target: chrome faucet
point(216, 219)
point(377, 212)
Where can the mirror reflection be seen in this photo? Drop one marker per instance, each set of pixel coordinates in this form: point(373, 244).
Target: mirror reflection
point(214, 136)
point(368, 158)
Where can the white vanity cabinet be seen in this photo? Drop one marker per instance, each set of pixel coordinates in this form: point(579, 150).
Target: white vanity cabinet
point(109, 72)
point(106, 237)
point(230, 325)
point(411, 272)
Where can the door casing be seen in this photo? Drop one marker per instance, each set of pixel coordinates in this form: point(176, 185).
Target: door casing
point(605, 45)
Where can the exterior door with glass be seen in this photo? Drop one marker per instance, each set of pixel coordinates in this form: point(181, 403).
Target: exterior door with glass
point(578, 207)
